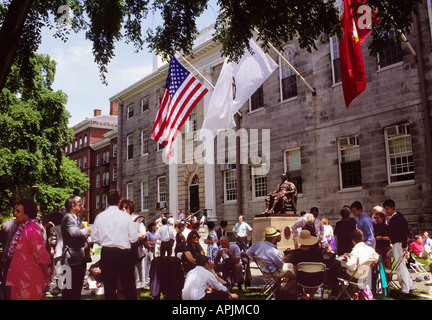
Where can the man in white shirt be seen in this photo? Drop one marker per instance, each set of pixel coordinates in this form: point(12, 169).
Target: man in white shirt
point(360, 254)
point(114, 230)
point(197, 280)
point(241, 231)
point(166, 235)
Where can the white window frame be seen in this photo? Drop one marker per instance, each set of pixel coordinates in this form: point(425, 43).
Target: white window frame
point(145, 139)
point(404, 132)
point(348, 143)
point(293, 166)
point(129, 191)
point(145, 101)
point(130, 111)
point(257, 92)
point(97, 201)
point(145, 195)
point(191, 122)
point(98, 180)
point(85, 162)
point(129, 142)
point(334, 44)
point(114, 172)
point(263, 191)
point(230, 189)
point(283, 67)
point(162, 189)
point(115, 150)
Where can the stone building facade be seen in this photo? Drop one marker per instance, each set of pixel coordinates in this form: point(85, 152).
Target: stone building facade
point(378, 148)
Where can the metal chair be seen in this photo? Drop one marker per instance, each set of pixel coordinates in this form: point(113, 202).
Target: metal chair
point(310, 275)
point(273, 282)
point(391, 273)
point(356, 280)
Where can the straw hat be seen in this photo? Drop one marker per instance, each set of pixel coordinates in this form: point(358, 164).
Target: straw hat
point(305, 238)
point(271, 232)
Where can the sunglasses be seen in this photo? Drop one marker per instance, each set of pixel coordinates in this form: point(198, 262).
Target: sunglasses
point(196, 237)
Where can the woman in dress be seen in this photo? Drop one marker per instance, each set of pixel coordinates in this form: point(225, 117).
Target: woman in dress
point(212, 241)
point(29, 272)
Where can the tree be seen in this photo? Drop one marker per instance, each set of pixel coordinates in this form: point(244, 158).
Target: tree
point(34, 133)
point(108, 21)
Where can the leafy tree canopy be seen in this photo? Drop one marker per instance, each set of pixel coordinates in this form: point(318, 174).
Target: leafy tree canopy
point(107, 21)
point(34, 133)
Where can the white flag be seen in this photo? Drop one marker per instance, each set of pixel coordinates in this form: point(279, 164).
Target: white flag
point(236, 84)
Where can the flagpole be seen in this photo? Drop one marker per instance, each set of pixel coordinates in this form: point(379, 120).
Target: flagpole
point(293, 69)
point(205, 79)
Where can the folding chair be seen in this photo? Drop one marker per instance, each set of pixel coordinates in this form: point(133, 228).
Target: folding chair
point(272, 281)
point(310, 275)
point(356, 280)
point(393, 282)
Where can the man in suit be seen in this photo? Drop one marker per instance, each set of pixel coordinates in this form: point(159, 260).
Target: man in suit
point(75, 246)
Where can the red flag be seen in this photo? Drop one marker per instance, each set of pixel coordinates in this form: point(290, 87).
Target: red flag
point(353, 72)
point(182, 93)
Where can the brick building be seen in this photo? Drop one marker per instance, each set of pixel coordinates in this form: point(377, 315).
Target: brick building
point(378, 148)
point(89, 145)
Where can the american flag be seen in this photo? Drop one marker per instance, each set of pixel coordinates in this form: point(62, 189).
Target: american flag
point(182, 93)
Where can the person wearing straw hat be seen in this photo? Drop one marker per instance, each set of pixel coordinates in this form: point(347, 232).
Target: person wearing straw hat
point(267, 250)
point(309, 251)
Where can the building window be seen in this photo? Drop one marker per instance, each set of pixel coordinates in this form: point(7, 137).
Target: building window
point(400, 163)
point(160, 147)
point(162, 189)
point(130, 111)
point(114, 173)
point(79, 163)
point(85, 141)
point(349, 162)
point(85, 162)
point(334, 54)
point(257, 99)
point(97, 201)
point(230, 186)
point(98, 160)
point(76, 145)
point(98, 181)
point(84, 202)
point(129, 147)
point(191, 124)
point(144, 104)
point(115, 150)
point(129, 191)
point(259, 186)
point(288, 80)
point(80, 143)
point(292, 162)
point(144, 141)
point(104, 201)
point(393, 53)
point(144, 195)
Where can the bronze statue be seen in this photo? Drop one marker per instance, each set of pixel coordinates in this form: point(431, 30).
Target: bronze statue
point(283, 198)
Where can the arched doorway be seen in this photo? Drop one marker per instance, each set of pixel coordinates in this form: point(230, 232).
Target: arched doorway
point(194, 205)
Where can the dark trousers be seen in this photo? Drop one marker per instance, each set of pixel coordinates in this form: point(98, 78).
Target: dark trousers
point(166, 247)
point(74, 293)
point(117, 264)
point(242, 243)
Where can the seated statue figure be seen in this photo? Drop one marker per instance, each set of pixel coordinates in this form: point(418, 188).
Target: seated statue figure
point(283, 198)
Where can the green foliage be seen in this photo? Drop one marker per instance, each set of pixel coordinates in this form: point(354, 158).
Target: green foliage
point(35, 130)
point(277, 21)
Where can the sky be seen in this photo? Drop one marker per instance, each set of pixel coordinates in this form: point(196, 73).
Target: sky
point(77, 75)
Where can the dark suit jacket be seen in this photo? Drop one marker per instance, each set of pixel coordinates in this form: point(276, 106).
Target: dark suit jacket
point(399, 230)
point(75, 245)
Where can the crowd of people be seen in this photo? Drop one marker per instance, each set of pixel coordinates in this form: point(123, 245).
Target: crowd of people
point(35, 255)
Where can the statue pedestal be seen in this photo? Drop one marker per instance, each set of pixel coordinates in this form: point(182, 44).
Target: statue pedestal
point(280, 222)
